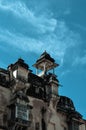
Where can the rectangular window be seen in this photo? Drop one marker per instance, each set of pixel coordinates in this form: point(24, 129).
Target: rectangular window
point(76, 126)
point(22, 112)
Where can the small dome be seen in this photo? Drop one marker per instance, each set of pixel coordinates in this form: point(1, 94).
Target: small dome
point(46, 56)
point(65, 103)
point(45, 62)
point(19, 62)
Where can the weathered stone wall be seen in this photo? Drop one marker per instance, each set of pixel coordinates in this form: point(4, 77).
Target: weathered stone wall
point(53, 120)
point(82, 127)
point(4, 101)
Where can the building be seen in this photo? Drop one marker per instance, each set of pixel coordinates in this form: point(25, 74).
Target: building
point(31, 101)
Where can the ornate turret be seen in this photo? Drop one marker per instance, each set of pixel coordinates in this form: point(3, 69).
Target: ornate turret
point(54, 83)
point(19, 70)
point(19, 73)
point(45, 63)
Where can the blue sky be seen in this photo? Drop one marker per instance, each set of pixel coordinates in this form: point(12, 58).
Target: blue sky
point(29, 27)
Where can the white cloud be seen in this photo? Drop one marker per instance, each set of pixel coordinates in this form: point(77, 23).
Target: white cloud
point(56, 45)
point(20, 10)
point(61, 40)
point(21, 42)
point(53, 35)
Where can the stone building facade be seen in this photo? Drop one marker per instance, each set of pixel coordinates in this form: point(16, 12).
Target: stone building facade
point(31, 101)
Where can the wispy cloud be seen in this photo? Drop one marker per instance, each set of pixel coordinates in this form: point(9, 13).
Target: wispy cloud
point(64, 73)
point(54, 44)
point(80, 60)
point(20, 10)
point(20, 41)
point(53, 34)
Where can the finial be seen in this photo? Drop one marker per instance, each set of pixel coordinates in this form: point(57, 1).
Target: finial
point(45, 51)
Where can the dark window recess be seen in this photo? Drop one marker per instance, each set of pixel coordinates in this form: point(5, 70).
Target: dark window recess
point(65, 128)
point(43, 124)
point(73, 126)
point(37, 126)
point(24, 128)
point(31, 91)
point(5, 118)
point(3, 80)
point(13, 113)
point(76, 126)
point(35, 92)
point(69, 125)
point(20, 128)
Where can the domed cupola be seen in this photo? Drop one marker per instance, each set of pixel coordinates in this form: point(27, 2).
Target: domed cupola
point(65, 104)
point(45, 63)
point(19, 70)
